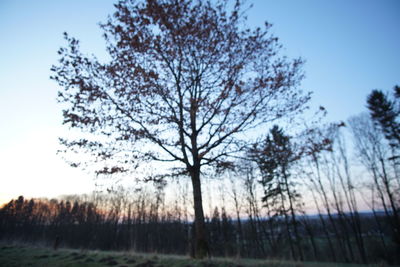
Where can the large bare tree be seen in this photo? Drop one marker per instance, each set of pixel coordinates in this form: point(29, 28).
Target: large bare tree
point(186, 82)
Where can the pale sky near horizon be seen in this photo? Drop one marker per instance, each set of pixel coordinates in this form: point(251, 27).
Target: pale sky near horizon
point(350, 48)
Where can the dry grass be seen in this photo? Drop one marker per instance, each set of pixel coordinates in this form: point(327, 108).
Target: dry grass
point(28, 255)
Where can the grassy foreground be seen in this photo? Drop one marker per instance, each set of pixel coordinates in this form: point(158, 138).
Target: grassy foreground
point(23, 255)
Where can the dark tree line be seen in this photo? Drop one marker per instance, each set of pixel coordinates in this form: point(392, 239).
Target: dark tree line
point(83, 225)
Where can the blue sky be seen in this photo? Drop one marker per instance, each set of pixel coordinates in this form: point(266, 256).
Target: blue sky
point(350, 48)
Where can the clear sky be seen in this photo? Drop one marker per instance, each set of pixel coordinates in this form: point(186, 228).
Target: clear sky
point(351, 47)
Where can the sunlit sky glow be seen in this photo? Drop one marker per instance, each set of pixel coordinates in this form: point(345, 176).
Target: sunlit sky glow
point(351, 47)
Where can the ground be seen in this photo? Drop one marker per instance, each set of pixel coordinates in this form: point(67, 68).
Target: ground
point(13, 255)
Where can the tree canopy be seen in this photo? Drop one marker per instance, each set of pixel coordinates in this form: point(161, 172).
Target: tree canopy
point(385, 112)
point(185, 83)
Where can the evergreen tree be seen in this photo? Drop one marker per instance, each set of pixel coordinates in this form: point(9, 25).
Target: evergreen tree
point(274, 159)
point(385, 112)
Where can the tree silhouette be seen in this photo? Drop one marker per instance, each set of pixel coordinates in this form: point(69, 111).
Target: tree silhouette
point(385, 112)
point(275, 157)
point(184, 84)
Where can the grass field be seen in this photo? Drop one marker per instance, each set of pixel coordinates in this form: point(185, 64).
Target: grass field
point(23, 255)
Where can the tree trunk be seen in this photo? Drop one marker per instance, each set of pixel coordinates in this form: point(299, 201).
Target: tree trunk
point(309, 229)
point(289, 236)
point(201, 244)
point(293, 215)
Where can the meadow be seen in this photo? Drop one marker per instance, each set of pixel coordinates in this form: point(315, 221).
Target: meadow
point(13, 255)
